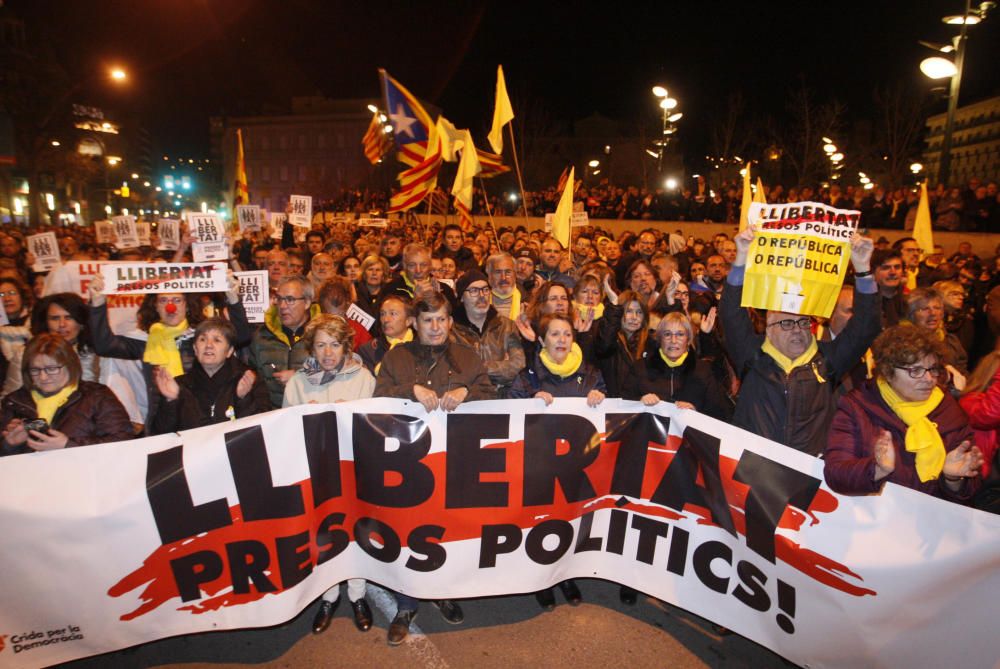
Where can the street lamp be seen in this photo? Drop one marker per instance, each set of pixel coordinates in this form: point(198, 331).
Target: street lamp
point(666, 104)
point(118, 74)
point(942, 68)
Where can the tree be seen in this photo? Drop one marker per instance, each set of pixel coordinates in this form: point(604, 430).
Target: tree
point(801, 137)
point(902, 113)
point(730, 135)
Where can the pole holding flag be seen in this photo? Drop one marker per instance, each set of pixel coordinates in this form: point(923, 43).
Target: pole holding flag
point(562, 220)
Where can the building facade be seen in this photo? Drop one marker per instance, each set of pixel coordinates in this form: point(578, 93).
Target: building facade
point(975, 144)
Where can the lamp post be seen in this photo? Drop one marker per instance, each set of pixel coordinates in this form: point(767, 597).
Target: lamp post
point(667, 105)
point(941, 68)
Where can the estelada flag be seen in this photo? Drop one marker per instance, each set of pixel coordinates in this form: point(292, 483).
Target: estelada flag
point(376, 141)
point(411, 124)
point(241, 193)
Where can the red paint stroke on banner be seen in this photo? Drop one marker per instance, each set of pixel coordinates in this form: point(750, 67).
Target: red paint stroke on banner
point(463, 524)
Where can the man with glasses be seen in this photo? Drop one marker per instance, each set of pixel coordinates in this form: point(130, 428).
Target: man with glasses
point(493, 336)
point(416, 281)
point(277, 349)
point(788, 379)
point(507, 298)
point(910, 251)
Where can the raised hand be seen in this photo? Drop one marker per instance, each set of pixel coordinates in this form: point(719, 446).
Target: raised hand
point(861, 252)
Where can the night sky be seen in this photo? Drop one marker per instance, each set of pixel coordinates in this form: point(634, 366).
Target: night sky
point(190, 59)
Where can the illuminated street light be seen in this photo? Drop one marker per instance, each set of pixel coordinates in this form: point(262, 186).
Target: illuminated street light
point(958, 19)
point(937, 67)
point(594, 163)
point(671, 183)
point(55, 142)
point(659, 91)
point(916, 168)
point(674, 118)
point(837, 157)
point(135, 175)
point(373, 109)
point(827, 140)
point(114, 160)
point(652, 153)
point(118, 74)
point(830, 148)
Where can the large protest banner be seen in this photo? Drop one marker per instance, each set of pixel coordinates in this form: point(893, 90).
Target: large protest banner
point(799, 257)
point(126, 278)
point(245, 523)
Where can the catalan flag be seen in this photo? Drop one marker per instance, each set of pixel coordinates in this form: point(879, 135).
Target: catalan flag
point(376, 141)
point(421, 179)
point(241, 194)
point(411, 124)
point(491, 163)
point(561, 184)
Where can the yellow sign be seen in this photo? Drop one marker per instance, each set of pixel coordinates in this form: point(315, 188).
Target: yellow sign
point(799, 257)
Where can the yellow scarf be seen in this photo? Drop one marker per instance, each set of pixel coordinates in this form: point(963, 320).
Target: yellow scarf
point(584, 311)
point(515, 303)
point(393, 343)
point(568, 367)
point(673, 363)
point(911, 279)
point(786, 363)
point(47, 406)
point(161, 347)
point(922, 437)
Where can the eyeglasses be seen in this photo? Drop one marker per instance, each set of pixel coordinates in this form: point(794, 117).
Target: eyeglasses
point(51, 370)
point(674, 335)
point(478, 292)
point(792, 323)
point(10, 293)
point(918, 372)
point(164, 301)
point(681, 293)
point(288, 300)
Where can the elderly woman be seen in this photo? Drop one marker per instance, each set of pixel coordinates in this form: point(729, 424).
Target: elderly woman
point(958, 318)
point(925, 309)
point(375, 274)
point(559, 370)
point(901, 427)
point(217, 388)
point(587, 305)
point(56, 408)
point(333, 373)
point(673, 373)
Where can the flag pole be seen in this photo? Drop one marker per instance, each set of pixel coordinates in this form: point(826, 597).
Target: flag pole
point(517, 168)
point(489, 212)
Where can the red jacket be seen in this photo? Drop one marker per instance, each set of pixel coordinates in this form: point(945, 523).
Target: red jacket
point(861, 416)
point(983, 409)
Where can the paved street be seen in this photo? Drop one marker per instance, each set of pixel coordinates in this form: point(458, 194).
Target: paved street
point(498, 632)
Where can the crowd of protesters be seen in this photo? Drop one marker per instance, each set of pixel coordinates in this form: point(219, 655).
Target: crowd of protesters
point(974, 208)
point(900, 384)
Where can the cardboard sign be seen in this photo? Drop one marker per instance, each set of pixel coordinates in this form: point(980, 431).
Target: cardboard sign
point(277, 224)
point(579, 219)
point(254, 294)
point(125, 278)
point(126, 236)
point(301, 210)
point(142, 230)
point(368, 222)
point(248, 217)
point(169, 230)
point(104, 232)
point(209, 251)
point(46, 251)
point(356, 313)
point(799, 257)
point(209, 233)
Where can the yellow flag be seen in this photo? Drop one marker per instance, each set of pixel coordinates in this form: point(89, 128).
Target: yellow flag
point(503, 113)
point(922, 224)
point(747, 198)
point(450, 138)
point(564, 213)
point(760, 195)
point(242, 192)
point(468, 168)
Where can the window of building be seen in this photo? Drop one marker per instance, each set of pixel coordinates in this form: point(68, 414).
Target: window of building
point(284, 173)
point(303, 173)
point(265, 173)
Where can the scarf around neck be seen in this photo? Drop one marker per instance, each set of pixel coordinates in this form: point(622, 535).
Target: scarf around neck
point(515, 302)
point(161, 347)
point(568, 367)
point(584, 310)
point(673, 363)
point(922, 437)
point(786, 363)
point(46, 407)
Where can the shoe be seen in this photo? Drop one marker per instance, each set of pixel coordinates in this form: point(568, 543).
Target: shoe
point(546, 599)
point(450, 611)
point(628, 595)
point(362, 615)
point(400, 627)
point(324, 616)
point(571, 592)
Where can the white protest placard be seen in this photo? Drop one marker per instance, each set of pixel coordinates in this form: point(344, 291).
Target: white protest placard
point(126, 236)
point(104, 232)
point(548, 222)
point(169, 230)
point(301, 213)
point(125, 278)
point(579, 219)
point(248, 217)
point(209, 233)
point(277, 221)
point(356, 313)
point(46, 251)
point(368, 222)
point(142, 231)
point(254, 294)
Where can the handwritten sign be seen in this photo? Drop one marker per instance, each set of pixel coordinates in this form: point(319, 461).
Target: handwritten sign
point(125, 278)
point(46, 251)
point(254, 294)
point(301, 213)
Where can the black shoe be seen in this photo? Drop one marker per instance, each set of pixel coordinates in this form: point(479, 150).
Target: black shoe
point(546, 599)
point(628, 595)
point(362, 615)
point(450, 611)
point(400, 627)
point(571, 592)
point(324, 616)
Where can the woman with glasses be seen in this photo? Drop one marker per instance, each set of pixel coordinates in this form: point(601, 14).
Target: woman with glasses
point(901, 427)
point(169, 319)
point(56, 408)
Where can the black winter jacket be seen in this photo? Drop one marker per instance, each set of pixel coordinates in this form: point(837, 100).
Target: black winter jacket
point(691, 382)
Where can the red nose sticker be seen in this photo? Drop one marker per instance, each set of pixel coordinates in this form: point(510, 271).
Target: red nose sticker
point(171, 308)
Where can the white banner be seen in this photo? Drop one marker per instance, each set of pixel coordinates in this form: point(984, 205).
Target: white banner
point(125, 278)
point(46, 251)
point(244, 524)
